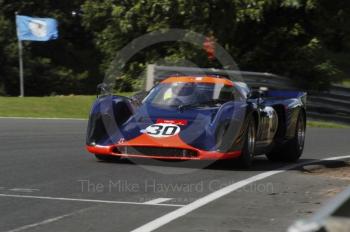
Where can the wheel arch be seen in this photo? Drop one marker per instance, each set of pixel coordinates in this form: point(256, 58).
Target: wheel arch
point(282, 122)
point(303, 111)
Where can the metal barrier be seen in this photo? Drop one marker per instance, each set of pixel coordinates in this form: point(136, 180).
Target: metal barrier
point(254, 79)
point(333, 105)
point(333, 217)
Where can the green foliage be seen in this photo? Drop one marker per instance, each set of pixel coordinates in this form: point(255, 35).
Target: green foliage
point(287, 37)
point(306, 40)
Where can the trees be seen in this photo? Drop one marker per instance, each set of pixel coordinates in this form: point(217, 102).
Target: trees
point(307, 40)
point(288, 37)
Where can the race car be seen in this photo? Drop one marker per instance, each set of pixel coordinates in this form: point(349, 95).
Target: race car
point(205, 117)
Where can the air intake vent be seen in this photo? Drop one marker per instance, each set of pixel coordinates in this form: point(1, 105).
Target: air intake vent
point(155, 151)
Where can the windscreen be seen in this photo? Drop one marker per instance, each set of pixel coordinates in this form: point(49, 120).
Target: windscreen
point(176, 94)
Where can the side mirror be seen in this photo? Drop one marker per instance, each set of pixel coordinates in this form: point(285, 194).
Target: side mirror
point(103, 89)
point(255, 94)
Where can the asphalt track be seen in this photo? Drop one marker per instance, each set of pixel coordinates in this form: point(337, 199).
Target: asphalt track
point(48, 182)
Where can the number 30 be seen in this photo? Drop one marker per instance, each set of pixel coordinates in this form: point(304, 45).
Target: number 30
point(162, 130)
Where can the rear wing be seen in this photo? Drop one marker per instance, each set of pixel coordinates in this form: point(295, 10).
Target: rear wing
point(156, 74)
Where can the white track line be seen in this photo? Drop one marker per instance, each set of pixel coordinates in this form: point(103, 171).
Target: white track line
point(155, 224)
point(47, 221)
point(24, 190)
point(158, 200)
point(76, 119)
point(86, 200)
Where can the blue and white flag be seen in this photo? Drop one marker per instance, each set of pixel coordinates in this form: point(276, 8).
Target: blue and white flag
point(36, 29)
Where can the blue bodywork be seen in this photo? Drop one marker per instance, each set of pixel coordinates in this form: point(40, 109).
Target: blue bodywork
point(200, 131)
point(211, 128)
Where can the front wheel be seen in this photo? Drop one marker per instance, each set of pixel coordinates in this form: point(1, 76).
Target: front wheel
point(247, 156)
point(291, 150)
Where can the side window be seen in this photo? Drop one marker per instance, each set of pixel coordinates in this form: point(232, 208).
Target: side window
point(227, 93)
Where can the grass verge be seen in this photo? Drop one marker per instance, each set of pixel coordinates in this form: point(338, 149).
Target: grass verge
point(346, 83)
point(323, 124)
point(76, 107)
point(47, 107)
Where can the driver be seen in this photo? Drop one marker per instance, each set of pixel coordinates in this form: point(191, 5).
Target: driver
point(179, 94)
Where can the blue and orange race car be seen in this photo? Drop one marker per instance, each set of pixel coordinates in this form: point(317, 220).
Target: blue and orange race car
point(199, 118)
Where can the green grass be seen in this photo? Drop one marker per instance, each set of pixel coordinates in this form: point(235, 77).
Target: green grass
point(323, 124)
point(346, 83)
point(76, 107)
point(47, 107)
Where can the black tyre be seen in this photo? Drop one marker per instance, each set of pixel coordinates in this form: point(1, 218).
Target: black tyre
point(247, 156)
point(291, 150)
point(106, 158)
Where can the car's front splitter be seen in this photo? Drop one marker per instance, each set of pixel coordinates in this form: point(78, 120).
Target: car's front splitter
point(200, 154)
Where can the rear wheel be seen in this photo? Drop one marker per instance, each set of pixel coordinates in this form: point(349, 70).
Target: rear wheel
point(106, 158)
point(292, 150)
point(247, 156)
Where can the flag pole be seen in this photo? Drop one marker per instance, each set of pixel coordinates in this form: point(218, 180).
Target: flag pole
point(21, 80)
point(20, 61)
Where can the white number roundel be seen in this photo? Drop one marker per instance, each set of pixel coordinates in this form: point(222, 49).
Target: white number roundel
point(162, 130)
